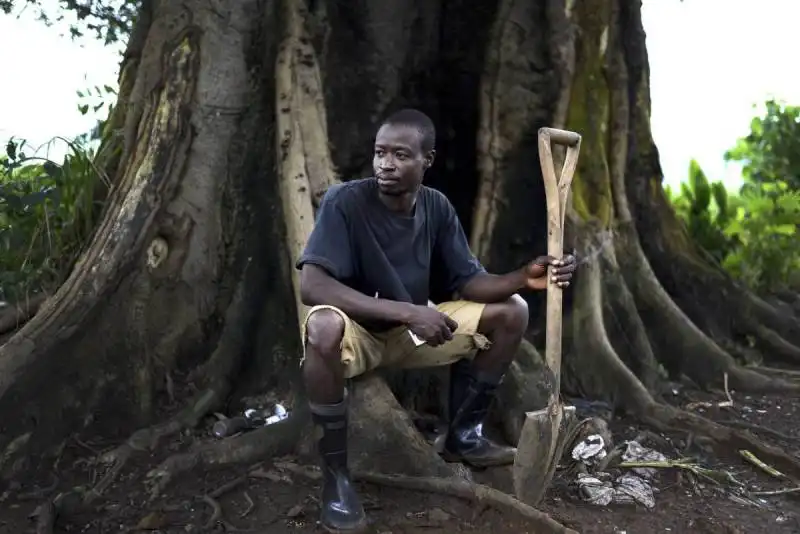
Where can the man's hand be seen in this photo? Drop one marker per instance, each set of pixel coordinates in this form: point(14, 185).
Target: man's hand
point(431, 325)
point(536, 271)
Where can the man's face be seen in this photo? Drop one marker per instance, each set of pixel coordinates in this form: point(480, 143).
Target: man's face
point(399, 162)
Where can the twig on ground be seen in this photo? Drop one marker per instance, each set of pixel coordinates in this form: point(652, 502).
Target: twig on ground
point(250, 505)
point(776, 492)
point(216, 514)
point(750, 457)
point(724, 404)
point(211, 499)
point(225, 488)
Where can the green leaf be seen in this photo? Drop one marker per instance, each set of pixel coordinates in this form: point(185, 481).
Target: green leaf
point(11, 150)
point(699, 185)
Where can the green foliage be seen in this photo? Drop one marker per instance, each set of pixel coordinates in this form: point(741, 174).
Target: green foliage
point(754, 234)
point(705, 221)
point(771, 152)
point(107, 20)
point(47, 213)
point(766, 229)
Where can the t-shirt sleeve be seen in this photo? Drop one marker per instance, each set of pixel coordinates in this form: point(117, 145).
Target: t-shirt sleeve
point(457, 262)
point(328, 245)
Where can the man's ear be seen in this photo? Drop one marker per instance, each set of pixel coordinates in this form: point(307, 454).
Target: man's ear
point(429, 157)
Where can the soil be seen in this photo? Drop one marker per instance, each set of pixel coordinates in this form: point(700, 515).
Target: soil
point(280, 495)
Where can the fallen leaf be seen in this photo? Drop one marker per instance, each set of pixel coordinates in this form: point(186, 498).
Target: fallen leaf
point(152, 521)
point(295, 511)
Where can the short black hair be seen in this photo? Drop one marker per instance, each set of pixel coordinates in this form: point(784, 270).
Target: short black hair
point(416, 119)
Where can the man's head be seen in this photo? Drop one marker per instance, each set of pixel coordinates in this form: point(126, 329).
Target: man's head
point(404, 150)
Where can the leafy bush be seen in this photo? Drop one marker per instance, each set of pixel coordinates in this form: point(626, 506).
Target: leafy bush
point(767, 255)
point(753, 234)
point(47, 213)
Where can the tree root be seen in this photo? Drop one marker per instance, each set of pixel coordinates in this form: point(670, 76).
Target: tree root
point(458, 487)
point(274, 440)
point(792, 374)
point(478, 494)
point(776, 348)
point(216, 513)
point(148, 438)
point(758, 428)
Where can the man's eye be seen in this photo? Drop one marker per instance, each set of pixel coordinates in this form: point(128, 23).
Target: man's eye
point(379, 153)
point(401, 156)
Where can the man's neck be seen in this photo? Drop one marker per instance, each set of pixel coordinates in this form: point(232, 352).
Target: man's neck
point(402, 204)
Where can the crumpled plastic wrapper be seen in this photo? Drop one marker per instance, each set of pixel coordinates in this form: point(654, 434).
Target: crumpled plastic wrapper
point(627, 489)
point(590, 450)
point(632, 487)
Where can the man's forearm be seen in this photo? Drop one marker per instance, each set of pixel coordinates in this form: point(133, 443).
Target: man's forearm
point(489, 288)
point(319, 288)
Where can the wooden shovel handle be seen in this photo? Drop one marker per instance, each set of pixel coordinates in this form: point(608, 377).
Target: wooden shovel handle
point(557, 191)
point(561, 137)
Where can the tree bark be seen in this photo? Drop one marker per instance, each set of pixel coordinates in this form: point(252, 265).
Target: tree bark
point(233, 122)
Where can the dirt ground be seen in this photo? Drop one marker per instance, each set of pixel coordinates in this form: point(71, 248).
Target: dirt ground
point(275, 497)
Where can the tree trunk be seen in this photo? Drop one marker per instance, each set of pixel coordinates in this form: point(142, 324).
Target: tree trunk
point(234, 120)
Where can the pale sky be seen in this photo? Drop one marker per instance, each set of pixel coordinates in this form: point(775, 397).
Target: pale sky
point(710, 61)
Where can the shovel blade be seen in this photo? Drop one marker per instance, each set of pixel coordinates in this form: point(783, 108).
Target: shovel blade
point(536, 461)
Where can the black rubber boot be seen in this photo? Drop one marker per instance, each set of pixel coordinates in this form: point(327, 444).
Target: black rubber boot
point(340, 508)
point(470, 399)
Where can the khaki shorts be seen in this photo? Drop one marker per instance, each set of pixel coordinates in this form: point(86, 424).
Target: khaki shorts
point(363, 351)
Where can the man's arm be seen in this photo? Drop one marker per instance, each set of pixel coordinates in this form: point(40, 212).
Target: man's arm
point(488, 288)
point(467, 277)
point(318, 287)
point(328, 258)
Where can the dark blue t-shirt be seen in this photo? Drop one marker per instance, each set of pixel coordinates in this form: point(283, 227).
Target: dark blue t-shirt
point(409, 258)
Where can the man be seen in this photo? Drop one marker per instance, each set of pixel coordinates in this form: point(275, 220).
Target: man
point(381, 250)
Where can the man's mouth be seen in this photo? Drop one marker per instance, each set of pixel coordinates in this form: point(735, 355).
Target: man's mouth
point(387, 180)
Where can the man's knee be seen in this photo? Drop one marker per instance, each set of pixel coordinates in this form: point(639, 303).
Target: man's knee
point(509, 317)
point(324, 333)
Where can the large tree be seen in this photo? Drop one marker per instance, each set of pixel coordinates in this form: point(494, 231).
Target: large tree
point(234, 117)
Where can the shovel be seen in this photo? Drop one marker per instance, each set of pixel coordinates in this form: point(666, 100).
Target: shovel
point(541, 440)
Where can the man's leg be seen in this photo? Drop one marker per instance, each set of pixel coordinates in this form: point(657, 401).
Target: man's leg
point(473, 385)
point(482, 348)
point(327, 330)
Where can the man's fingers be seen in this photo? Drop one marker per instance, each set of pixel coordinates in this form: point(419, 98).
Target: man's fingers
point(566, 269)
point(451, 324)
point(545, 260)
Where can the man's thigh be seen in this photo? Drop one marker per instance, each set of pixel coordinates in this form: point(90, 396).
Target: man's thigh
point(401, 351)
point(361, 350)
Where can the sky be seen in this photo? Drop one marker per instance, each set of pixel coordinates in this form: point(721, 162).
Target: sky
point(711, 61)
